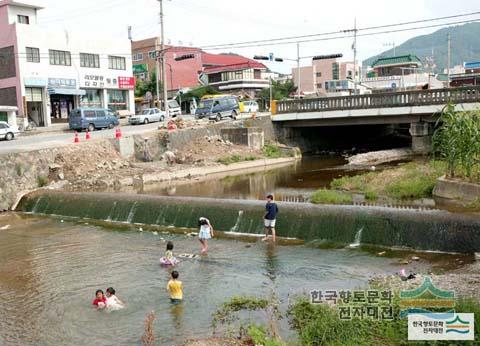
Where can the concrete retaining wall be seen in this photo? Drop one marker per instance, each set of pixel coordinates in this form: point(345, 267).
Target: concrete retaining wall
point(456, 189)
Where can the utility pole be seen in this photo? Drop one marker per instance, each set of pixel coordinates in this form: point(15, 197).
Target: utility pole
point(271, 93)
point(298, 70)
point(355, 56)
point(162, 55)
point(449, 56)
point(157, 72)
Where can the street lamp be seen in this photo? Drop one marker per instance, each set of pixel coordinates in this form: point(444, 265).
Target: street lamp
point(391, 44)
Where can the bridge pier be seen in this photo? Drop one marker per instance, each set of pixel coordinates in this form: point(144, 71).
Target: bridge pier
point(421, 133)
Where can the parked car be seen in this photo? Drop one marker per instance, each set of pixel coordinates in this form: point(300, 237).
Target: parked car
point(250, 106)
point(218, 108)
point(91, 119)
point(7, 131)
point(148, 115)
point(174, 108)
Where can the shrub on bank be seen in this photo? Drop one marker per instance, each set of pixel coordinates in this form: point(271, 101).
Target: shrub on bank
point(330, 197)
point(271, 151)
point(228, 160)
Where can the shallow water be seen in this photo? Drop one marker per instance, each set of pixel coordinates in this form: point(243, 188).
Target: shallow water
point(289, 183)
point(49, 271)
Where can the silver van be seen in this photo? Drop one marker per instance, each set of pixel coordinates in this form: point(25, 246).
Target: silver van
point(92, 119)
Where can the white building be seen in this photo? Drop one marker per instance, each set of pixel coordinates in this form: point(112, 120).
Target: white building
point(48, 73)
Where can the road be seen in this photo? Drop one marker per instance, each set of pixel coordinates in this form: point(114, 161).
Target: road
point(57, 139)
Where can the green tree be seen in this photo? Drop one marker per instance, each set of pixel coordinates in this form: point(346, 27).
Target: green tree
point(141, 87)
point(280, 91)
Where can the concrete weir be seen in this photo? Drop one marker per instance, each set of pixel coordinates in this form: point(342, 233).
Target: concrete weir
point(420, 230)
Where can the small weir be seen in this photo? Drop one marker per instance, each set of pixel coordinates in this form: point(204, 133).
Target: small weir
point(431, 230)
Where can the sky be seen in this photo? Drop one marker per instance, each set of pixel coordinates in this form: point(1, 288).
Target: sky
point(206, 22)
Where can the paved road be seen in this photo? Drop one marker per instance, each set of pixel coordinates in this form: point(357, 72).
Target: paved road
point(56, 139)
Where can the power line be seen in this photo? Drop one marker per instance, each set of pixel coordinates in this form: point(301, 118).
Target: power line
point(226, 45)
point(344, 37)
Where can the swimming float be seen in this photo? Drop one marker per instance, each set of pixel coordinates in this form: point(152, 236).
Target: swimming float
point(168, 262)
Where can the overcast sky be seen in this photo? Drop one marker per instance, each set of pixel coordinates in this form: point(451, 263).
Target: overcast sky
point(207, 22)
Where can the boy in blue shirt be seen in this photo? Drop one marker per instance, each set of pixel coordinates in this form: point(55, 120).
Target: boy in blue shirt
point(271, 211)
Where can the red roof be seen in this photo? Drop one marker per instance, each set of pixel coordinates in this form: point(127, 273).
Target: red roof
point(227, 62)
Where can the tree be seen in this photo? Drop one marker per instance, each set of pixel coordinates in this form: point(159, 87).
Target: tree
point(280, 91)
point(141, 87)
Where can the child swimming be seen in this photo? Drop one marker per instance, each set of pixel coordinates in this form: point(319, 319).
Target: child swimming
point(100, 301)
point(113, 303)
point(175, 288)
point(206, 232)
point(169, 259)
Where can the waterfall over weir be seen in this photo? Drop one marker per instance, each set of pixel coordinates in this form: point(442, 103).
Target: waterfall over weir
point(421, 230)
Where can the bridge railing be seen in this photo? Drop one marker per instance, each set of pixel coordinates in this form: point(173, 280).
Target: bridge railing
point(383, 100)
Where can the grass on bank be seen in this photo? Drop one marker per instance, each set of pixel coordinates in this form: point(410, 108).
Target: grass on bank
point(228, 160)
point(330, 197)
point(410, 180)
point(320, 325)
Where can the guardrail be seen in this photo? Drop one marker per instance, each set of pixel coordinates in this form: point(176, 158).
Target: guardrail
point(383, 100)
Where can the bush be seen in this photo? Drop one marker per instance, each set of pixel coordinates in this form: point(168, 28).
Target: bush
point(42, 181)
point(271, 151)
point(420, 186)
point(230, 159)
point(330, 197)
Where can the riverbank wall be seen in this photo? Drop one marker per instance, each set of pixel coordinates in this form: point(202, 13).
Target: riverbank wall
point(413, 229)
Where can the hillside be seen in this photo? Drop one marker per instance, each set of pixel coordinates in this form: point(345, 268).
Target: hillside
point(465, 46)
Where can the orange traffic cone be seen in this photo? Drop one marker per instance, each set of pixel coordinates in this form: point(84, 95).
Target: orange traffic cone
point(118, 133)
point(76, 139)
point(87, 135)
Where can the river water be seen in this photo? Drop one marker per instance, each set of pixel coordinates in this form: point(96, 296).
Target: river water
point(288, 183)
point(50, 269)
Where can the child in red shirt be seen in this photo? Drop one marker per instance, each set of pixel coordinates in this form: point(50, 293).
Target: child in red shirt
point(100, 301)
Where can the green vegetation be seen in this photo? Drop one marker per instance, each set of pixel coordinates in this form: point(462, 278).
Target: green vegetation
point(280, 91)
point(42, 181)
point(141, 87)
point(321, 325)
point(457, 141)
point(409, 180)
point(259, 336)
point(228, 160)
point(330, 197)
point(272, 151)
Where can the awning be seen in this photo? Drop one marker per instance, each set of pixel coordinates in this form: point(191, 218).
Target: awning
point(65, 91)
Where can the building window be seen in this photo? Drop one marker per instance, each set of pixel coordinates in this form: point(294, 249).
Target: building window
point(117, 100)
point(137, 57)
point(335, 71)
point(152, 54)
point(238, 75)
point(319, 74)
point(89, 60)
point(60, 57)
point(33, 54)
point(23, 19)
point(319, 85)
point(116, 63)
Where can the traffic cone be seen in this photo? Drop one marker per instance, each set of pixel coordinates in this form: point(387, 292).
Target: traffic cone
point(87, 135)
point(118, 133)
point(76, 139)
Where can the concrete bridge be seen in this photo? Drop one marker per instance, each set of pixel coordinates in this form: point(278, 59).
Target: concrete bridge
point(419, 108)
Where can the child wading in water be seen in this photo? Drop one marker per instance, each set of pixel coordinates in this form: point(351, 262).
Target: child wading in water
point(206, 232)
point(113, 303)
point(175, 288)
point(100, 302)
point(169, 259)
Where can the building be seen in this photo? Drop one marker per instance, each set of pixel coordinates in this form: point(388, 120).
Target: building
point(327, 75)
point(45, 74)
point(396, 66)
point(405, 72)
point(227, 72)
point(470, 75)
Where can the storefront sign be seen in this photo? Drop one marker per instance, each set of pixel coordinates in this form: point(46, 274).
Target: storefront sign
point(93, 81)
point(140, 68)
point(62, 83)
point(126, 83)
point(35, 81)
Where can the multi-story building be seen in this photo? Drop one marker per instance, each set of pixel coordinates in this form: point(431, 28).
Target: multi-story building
point(327, 74)
point(396, 66)
point(46, 74)
point(469, 76)
point(226, 72)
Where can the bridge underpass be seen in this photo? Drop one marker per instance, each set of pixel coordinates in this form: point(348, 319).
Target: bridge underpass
point(354, 119)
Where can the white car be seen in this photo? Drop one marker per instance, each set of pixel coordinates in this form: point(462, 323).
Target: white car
point(148, 115)
point(174, 108)
point(8, 132)
point(250, 106)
